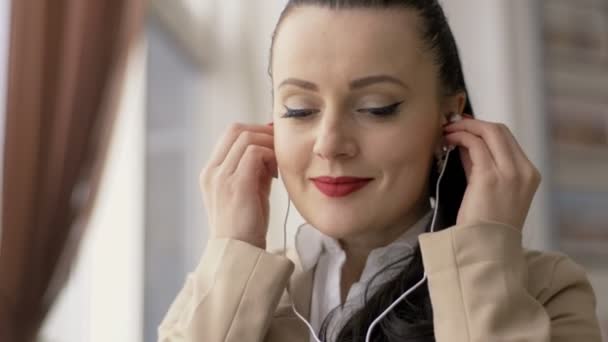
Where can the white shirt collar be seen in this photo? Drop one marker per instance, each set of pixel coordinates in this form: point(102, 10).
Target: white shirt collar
point(310, 243)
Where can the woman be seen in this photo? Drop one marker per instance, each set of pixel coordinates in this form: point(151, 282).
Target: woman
point(362, 93)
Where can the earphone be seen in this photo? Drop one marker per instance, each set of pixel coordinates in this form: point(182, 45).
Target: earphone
point(453, 117)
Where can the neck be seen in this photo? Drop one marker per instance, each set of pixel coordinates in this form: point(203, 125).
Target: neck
point(357, 249)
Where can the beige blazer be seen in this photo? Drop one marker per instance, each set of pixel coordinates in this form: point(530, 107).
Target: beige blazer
point(483, 286)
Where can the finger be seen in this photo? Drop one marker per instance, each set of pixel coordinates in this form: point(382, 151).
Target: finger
point(494, 137)
point(518, 152)
point(257, 159)
point(479, 153)
point(520, 155)
point(228, 139)
point(239, 147)
point(467, 163)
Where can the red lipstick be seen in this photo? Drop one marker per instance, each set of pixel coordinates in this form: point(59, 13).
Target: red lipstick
point(340, 186)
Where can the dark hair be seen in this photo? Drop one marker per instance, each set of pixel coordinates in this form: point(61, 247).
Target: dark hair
point(412, 319)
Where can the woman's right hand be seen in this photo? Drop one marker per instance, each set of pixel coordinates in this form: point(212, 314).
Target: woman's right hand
point(236, 183)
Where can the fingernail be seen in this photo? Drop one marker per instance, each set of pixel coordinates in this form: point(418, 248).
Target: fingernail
point(270, 124)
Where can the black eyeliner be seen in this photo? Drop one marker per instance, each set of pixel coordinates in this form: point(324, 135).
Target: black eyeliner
point(295, 113)
point(384, 111)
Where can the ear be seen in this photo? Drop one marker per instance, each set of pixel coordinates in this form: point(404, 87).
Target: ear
point(452, 104)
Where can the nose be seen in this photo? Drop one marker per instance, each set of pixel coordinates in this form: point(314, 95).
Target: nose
point(335, 138)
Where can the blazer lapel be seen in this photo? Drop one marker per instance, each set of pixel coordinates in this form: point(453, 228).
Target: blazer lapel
point(300, 286)
point(286, 326)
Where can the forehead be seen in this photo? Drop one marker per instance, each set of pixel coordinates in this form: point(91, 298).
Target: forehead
point(316, 41)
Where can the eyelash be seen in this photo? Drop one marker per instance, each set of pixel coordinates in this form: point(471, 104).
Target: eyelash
point(380, 112)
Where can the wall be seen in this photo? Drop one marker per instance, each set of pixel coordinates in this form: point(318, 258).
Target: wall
point(174, 228)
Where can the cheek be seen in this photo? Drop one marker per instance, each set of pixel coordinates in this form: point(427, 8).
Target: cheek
point(404, 157)
point(403, 164)
point(292, 160)
point(291, 155)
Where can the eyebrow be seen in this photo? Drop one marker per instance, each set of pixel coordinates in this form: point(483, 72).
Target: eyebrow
point(356, 84)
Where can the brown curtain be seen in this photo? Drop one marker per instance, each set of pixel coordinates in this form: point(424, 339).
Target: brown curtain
point(66, 64)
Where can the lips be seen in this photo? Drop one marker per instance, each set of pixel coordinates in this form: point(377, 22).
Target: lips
point(341, 186)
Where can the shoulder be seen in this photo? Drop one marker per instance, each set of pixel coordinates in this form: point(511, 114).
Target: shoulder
point(553, 273)
point(563, 288)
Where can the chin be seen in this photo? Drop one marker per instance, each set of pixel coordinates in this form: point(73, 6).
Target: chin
point(337, 229)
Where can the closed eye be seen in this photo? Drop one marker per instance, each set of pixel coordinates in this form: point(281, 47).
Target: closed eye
point(382, 111)
point(298, 113)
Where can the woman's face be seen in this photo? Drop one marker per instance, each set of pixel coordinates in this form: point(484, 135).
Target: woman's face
point(345, 71)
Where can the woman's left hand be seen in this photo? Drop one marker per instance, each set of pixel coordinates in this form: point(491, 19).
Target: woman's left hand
point(501, 179)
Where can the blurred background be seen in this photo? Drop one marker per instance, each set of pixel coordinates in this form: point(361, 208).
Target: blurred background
point(109, 110)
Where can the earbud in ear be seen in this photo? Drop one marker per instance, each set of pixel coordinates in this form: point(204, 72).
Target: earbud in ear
point(454, 117)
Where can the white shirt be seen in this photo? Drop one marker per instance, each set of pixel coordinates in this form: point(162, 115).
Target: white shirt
point(316, 248)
